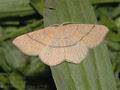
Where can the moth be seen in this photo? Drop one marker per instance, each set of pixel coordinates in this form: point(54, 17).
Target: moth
point(58, 43)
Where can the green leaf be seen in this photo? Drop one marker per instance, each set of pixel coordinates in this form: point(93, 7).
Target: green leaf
point(37, 87)
point(104, 1)
point(4, 81)
point(113, 45)
point(5, 66)
point(106, 19)
point(1, 32)
point(34, 67)
point(17, 81)
point(95, 72)
point(4, 78)
point(117, 21)
point(15, 8)
point(114, 37)
point(116, 11)
point(14, 58)
point(23, 30)
point(38, 5)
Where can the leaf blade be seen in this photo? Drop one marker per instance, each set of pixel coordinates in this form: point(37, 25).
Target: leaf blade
point(68, 76)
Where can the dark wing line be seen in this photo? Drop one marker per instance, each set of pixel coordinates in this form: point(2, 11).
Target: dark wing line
point(62, 46)
point(49, 45)
point(36, 40)
point(87, 32)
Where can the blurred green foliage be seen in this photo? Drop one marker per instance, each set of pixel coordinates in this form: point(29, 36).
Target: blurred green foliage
point(109, 15)
point(21, 16)
point(95, 72)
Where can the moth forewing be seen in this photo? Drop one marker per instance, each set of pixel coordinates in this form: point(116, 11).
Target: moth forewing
point(95, 36)
point(69, 42)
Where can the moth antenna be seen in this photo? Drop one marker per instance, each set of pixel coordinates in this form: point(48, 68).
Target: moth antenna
point(65, 23)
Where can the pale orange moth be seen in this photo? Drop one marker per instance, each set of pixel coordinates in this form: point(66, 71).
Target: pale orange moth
point(66, 42)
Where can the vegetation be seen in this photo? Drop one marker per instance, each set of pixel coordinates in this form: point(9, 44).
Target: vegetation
point(21, 72)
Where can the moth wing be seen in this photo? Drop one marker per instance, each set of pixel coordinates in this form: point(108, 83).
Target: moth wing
point(76, 53)
point(96, 36)
point(92, 35)
point(27, 45)
point(52, 56)
point(32, 43)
